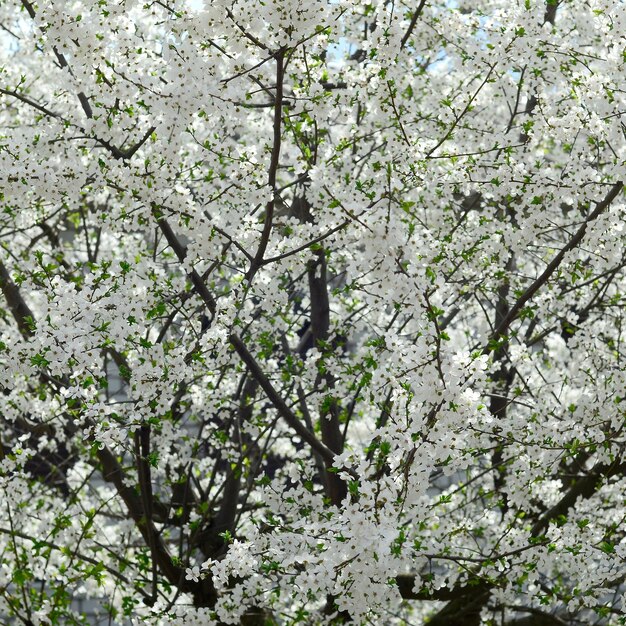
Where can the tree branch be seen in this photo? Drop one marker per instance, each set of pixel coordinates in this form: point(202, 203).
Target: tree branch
point(286, 413)
point(271, 178)
point(405, 583)
point(584, 488)
point(29, 102)
point(181, 252)
point(416, 16)
point(19, 309)
point(82, 98)
point(142, 450)
point(129, 152)
point(552, 266)
point(112, 472)
point(320, 324)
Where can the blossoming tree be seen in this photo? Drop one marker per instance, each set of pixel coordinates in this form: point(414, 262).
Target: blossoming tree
point(312, 312)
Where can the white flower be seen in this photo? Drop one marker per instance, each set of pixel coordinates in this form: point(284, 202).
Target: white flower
point(193, 573)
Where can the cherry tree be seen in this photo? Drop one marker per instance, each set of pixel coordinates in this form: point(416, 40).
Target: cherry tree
point(312, 312)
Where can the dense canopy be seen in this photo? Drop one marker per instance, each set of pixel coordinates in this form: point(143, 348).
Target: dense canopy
point(312, 312)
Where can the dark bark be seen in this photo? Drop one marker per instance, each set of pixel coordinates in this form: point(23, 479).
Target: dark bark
point(329, 415)
point(20, 311)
